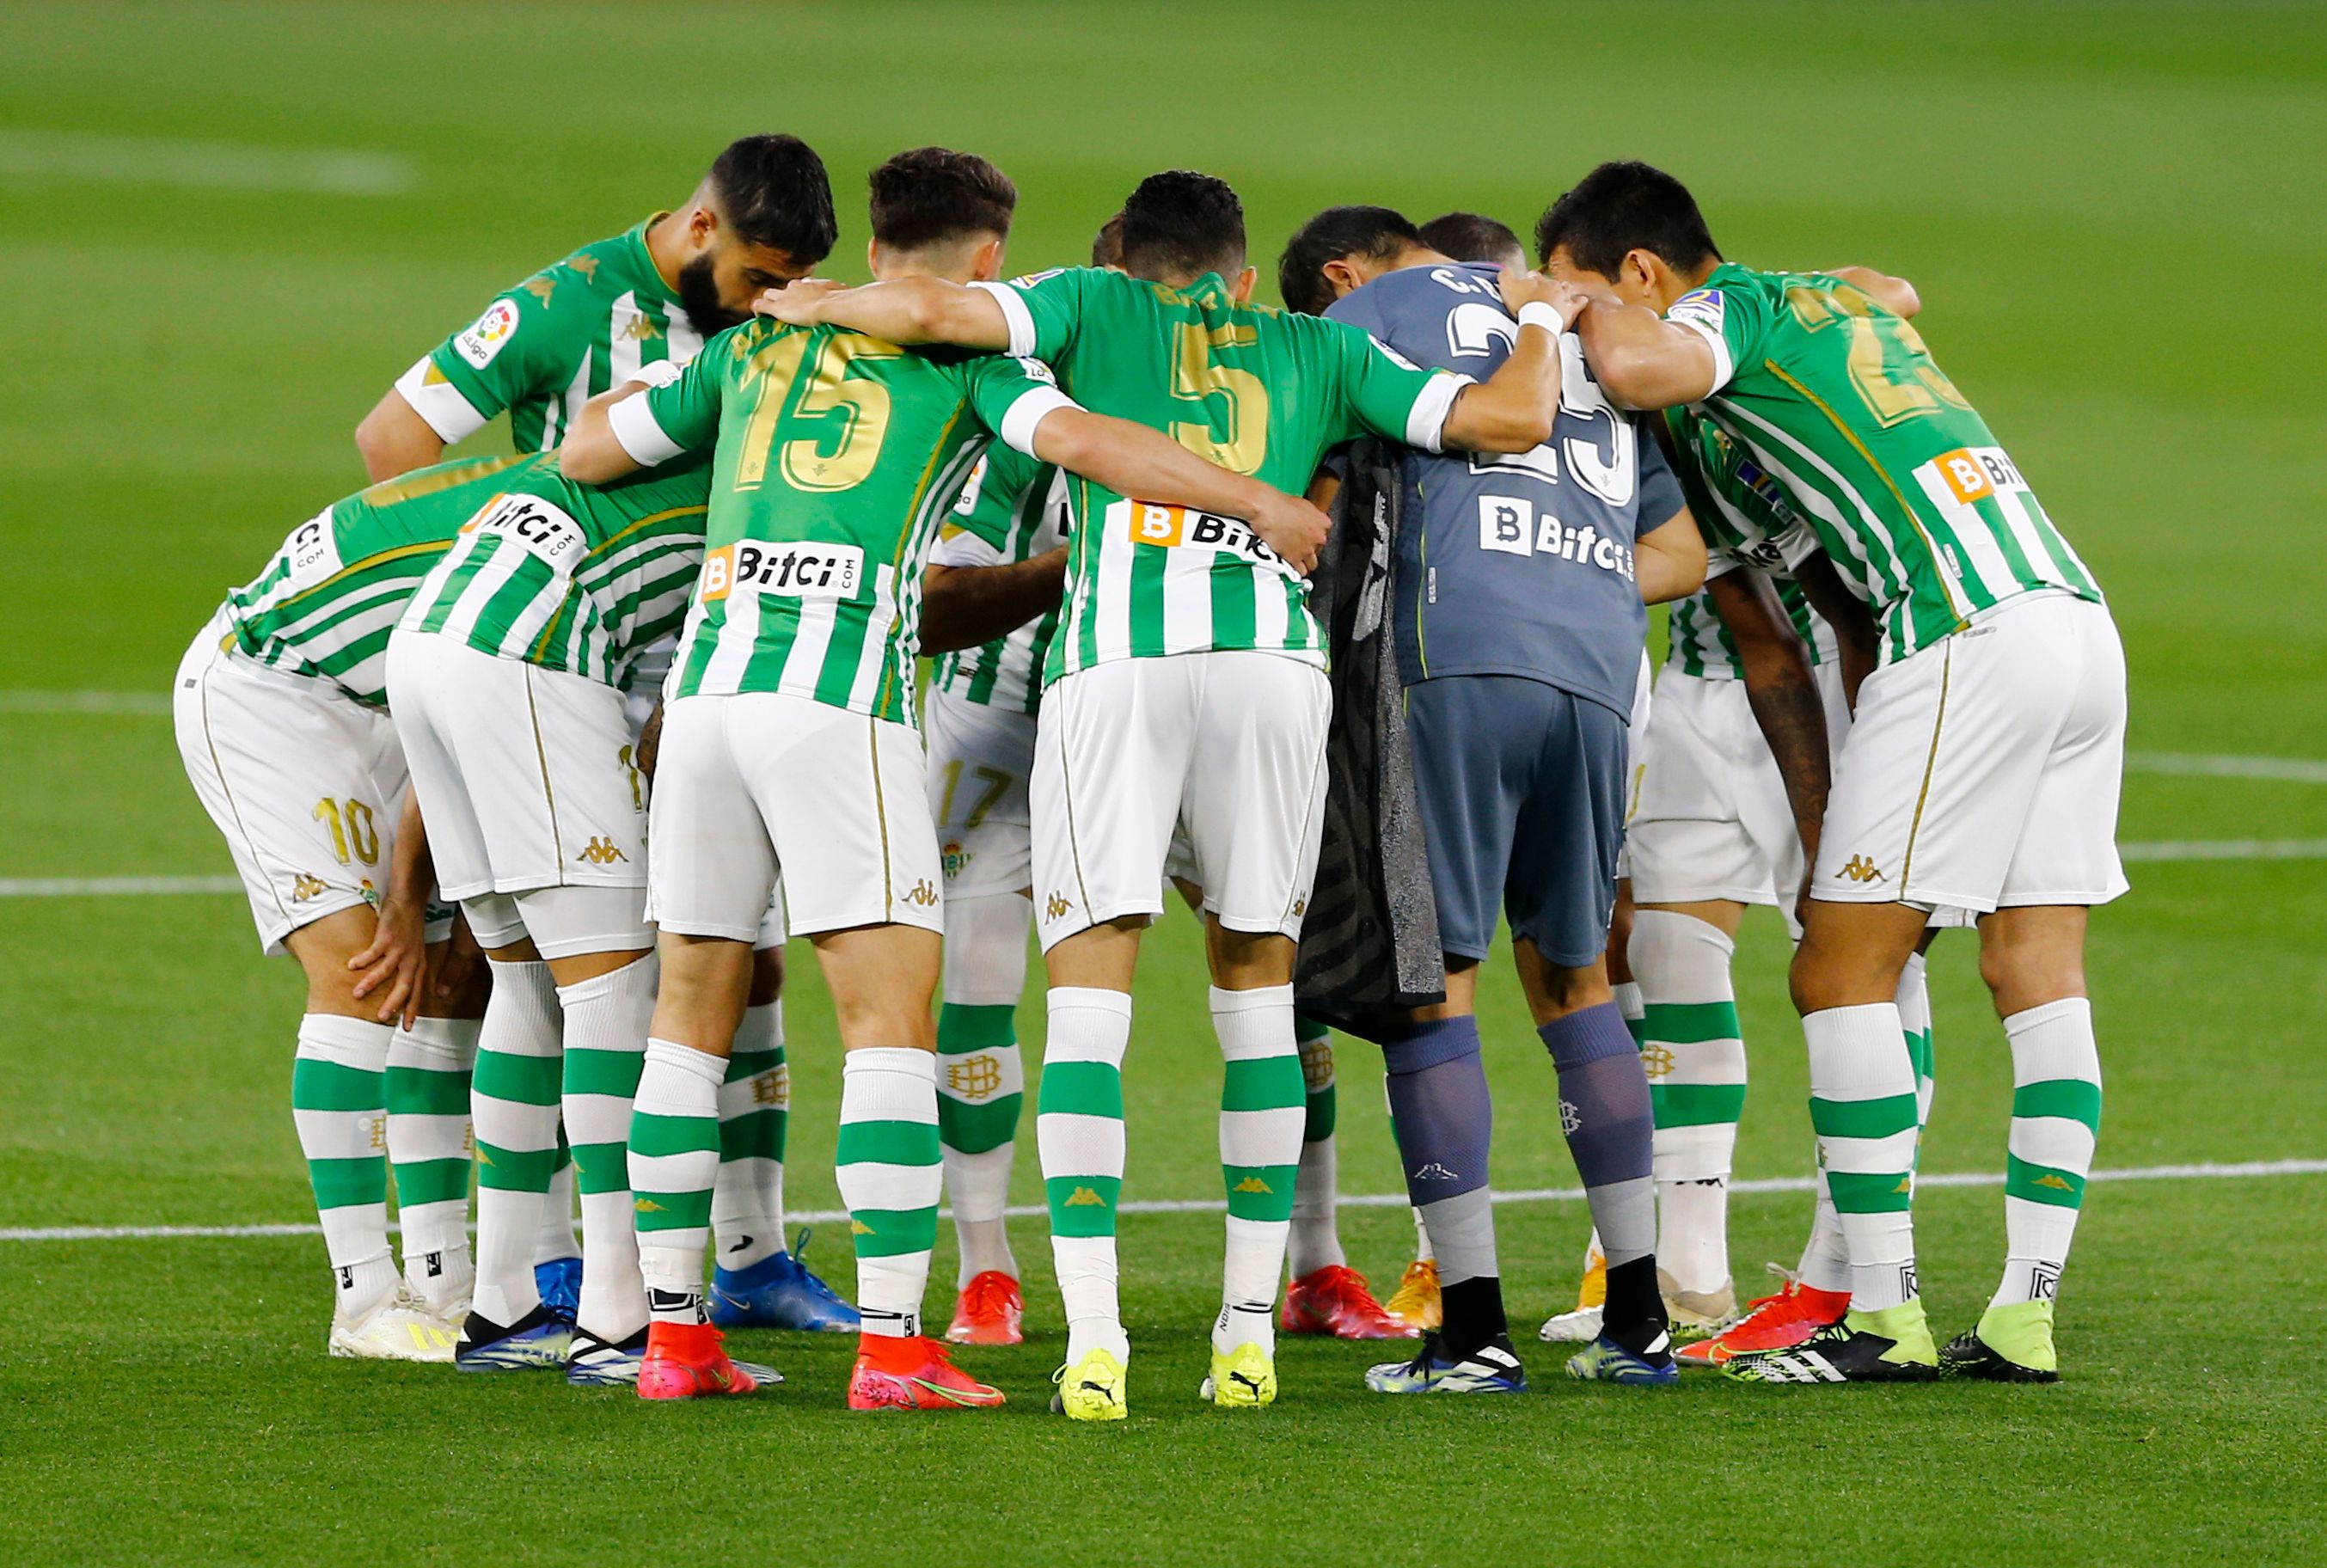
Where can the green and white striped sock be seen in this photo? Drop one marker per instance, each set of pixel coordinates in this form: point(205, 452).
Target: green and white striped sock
point(755, 1098)
point(1315, 1241)
point(892, 1174)
point(429, 1144)
point(606, 1021)
point(1915, 1020)
point(1863, 1107)
point(1695, 1056)
point(981, 1090)
point(513, 1101)
point(1261, 1120)
point(2056, 1116)
point(674, 1162)
point(339, 1103)
point(1079, 1131)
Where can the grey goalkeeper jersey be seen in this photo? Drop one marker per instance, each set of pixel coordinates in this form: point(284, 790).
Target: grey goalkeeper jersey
point(1516, 565)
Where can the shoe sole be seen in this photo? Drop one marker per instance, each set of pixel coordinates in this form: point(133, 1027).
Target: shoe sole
point(1996, 1370)
point(498, 1358)
point(1742, 1368)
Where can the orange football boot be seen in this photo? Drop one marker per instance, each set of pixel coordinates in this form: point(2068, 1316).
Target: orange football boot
point(990, 1311)
point(894, 1373)
point(1417, 1302)
point(686, 1361)
point(1772, 1322)
point(1336, 1299)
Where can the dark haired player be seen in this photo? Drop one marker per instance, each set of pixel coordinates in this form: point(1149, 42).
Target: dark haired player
point(1185, 686)
point(790, 741)
point(762, 214)
point(1475, 236)
point(1519, 588)
point(1982, 770)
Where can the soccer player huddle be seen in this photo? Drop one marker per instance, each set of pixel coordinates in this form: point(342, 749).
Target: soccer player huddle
point(1332, 616)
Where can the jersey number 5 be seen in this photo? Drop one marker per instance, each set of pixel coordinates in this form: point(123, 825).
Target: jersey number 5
point(1226, 398)
point(824, 429)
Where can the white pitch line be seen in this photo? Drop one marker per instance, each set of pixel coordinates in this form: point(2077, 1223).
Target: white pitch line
point(2227, 849)
point(151, 705)
point(75, 887)
point(208, 165)
point(2203, 1170)
point(2196, 764)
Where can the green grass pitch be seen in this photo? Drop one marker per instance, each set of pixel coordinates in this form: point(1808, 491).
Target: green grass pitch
point(2109, 212)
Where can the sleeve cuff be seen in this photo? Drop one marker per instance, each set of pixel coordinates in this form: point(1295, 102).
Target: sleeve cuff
point(1723, 368)
point(1032, 405)
point(634, 424)
point(1797, 544)
point(1015, 311)
point(439, 403)
point(959, 546)
point(1720, 563)
point(1425, 423)
point(657, 372)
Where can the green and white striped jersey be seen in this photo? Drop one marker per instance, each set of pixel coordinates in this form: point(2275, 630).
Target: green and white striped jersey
point(504, 552)
point(546, 346)
point(1253, 390)
point(1749, 525)
point(1013, 508)
point(1839, 400)
point(326, 603)
point(571, 576)
point(836, 457)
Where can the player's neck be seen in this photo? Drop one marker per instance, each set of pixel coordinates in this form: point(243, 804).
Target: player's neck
point(665, 243)
point(1420, 256)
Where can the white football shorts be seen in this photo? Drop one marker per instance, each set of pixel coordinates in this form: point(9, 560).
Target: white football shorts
point(751, 784)
point(1983, 771)
point(305, 782)
point(1230, 745)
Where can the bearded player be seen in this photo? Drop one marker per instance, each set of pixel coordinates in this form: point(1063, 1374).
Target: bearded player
point(648, 295)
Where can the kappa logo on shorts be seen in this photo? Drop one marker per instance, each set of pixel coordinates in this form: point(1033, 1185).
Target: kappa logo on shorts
point(1859, 869)
point(923, 893)
point(1056, 906)
point(304, 887)
point(974, 1078)
point(601, 851)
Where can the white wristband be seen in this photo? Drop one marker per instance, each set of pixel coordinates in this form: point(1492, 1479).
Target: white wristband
point(1535, 314)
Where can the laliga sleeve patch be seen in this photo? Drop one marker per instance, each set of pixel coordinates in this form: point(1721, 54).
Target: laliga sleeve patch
point(493, 330)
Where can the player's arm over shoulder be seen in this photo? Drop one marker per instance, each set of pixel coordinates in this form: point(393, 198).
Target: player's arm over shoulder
point(1895, 295)
point(659, 412)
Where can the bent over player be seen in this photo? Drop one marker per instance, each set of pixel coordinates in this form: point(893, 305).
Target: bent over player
point(1185, 686)
point(1983, 768)
point(789, 742)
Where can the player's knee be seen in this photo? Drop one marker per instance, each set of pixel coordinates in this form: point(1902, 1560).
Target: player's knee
point(2024, 968)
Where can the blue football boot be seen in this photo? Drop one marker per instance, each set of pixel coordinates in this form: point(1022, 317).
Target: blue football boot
point(537, 1341)
point(1492, 1368)
point(1605, 1361)
point(778, 1292)
point(558, 1282)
